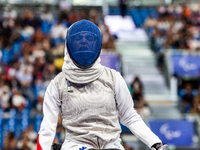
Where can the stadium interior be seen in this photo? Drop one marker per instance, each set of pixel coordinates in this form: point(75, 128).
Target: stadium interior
point(154, 44)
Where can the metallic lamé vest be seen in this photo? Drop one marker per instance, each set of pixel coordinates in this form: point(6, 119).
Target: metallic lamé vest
point(89, 112)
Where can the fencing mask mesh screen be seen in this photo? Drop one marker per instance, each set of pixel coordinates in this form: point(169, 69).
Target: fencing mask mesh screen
point(84, 43)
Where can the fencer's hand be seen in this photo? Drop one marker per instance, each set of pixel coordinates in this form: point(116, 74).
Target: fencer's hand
point(159, 146)
point(163, 147)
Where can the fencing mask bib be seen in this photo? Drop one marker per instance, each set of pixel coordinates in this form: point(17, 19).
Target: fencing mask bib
point(84, 43)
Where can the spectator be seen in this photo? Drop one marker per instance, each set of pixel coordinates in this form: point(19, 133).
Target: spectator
point(38, 104)
point(108, 40)
point(137, 86)
point(38, 36)
point(8, 23)
point(196, 106)
point(25, 78)
point(4, 95)
point(27, 18)
point(188, 99)
point(123, 7)
point(178, 26)
point(58, 30)
point(64, 13)
point(196, 103)
point(140, 104)
point(25, 75)
point(18, 101)
point(31, 134)
point(162, 10)
point(49, 71)
point(10, 12)
point(10, 141)
point(73, 16)
point(149, 24)
point(94, 16)
point(84, 14)
point(47, 15)
point(9, 17)
point(47, 19)
point(159, 39)
point(40, 99)
point(25, 143)
point(187, 13)
point(178, 10)
point(198, 92)
point(39, 66)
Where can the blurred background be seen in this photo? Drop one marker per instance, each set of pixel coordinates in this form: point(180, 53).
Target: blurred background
point(155, 44)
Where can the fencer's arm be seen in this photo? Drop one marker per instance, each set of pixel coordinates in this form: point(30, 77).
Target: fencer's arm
point(48, 126)
point(128, 115)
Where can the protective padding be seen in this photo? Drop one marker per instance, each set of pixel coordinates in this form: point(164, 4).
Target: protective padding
point(84, 43)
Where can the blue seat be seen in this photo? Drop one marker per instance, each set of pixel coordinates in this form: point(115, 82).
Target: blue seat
point(12, 120)
point(37, 89)
point(114, 11)
point(66, 23)
point(37, 122)
point(25, 119)
point(55, 41)
point(144, 13)
point(182, 92)
point(5, 129)
point(18, 128)
point(137, 18)
point(46, 26)
point(7, 55)
point(153, 12)
point(16, 50)
point(125, 129)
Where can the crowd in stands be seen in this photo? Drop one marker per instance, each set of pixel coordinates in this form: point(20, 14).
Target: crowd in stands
point(32, 50)
point(31, 54)
point(177, 28)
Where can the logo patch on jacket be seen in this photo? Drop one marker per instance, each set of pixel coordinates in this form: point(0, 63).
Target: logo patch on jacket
point(82, 148)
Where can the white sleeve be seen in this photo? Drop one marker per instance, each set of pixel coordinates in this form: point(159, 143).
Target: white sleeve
point(128, 115)
point(49, 123)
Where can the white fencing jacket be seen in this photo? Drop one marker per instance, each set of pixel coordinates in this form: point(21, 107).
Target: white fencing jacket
point(94, 122)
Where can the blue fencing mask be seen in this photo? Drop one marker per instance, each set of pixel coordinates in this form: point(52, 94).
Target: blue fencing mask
point(84, 43)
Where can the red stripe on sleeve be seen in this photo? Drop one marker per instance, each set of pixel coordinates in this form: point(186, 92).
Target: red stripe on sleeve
point(38, 144)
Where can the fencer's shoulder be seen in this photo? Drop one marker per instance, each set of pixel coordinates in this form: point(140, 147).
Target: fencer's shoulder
point(58, 76)
point(107, 69)
point(58, 79)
